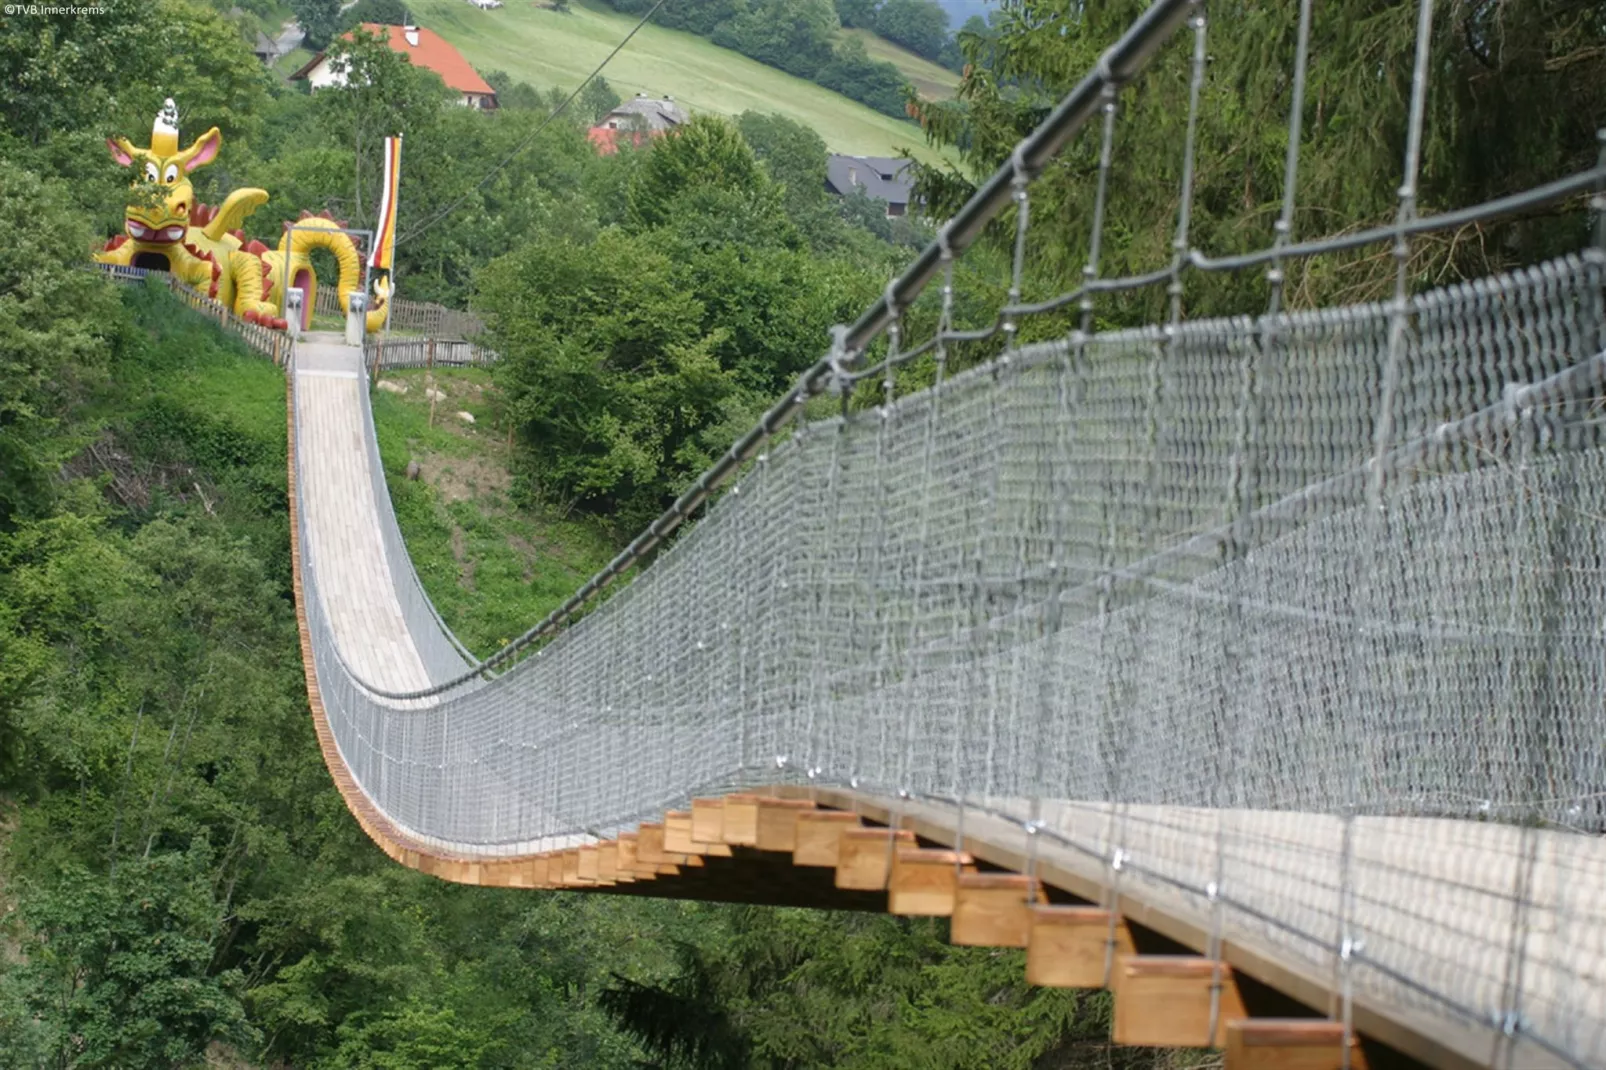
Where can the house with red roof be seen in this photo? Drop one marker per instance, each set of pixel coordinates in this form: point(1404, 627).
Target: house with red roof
point(423, 48)
point(637, 120)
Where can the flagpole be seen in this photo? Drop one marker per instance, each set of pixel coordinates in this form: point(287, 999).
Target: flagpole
point(390, 301)
point(392, 196)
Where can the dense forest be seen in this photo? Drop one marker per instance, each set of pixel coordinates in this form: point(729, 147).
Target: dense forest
point(1516, 95)
point(181, 885)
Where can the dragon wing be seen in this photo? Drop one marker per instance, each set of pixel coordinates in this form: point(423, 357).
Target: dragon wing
point(232, 213)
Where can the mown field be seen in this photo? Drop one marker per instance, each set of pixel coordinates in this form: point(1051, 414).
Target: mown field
point(930, 80)
point(548, 48)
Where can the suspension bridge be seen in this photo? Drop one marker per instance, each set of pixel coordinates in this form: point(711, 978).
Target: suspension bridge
point(1251, 668)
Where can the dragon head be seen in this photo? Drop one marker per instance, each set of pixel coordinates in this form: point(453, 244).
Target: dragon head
point(164, 221)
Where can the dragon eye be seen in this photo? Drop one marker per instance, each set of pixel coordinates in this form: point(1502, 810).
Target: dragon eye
point(171, 175)
point(150, 171)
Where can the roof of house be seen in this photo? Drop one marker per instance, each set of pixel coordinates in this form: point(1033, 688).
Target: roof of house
point(882, 178)
point(659, 114)
point(606, 139)
point(432, 53)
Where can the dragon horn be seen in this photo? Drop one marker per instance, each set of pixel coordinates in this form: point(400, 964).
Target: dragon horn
point(164, 132)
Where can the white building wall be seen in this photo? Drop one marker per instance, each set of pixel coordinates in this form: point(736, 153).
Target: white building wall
point(323, 75)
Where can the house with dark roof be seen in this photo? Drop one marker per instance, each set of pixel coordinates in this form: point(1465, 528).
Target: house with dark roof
point(423, 48)
point(266, 48)
point(638, 119)
point(881, 178)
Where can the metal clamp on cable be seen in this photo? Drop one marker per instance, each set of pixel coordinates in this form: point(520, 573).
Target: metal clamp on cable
point(894, 332)
point(1017, 163)
point(840, 378)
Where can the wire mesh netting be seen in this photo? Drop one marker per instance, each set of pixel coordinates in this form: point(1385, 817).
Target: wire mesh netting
point(992, 566)
point(1038, 581)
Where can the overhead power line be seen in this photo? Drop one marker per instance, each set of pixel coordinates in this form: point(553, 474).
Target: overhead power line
point(559, 110)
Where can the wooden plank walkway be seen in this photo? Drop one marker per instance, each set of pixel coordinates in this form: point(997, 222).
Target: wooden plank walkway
point(342, 520)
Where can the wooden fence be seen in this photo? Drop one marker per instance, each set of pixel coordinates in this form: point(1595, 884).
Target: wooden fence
point(275, 345)
point(125, 274)
point(421, 317)
point(425, 353)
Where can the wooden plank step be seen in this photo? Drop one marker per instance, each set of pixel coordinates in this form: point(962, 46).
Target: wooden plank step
point(529, 874)
point(777, 823)
point(1290, 1044)
point(1163, 1001)
point(590, 858)
point(740, 826)
point(924, 882)
point(678, 841)
point(650, 844)
point(1070, 947)
point(818, 832)
point(627, 870)
point(990, 910)
point(608, 861)
point(707, 820)
point(508, 873)
point(864, 857)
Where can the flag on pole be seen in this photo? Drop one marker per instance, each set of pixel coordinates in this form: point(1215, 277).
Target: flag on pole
point(385, 229)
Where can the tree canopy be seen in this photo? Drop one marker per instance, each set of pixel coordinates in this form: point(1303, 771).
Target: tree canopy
point(1490, 64)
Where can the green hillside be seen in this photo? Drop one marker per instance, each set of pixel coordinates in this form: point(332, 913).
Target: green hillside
point(931, 80)
point(548, 48)
point(291, 61)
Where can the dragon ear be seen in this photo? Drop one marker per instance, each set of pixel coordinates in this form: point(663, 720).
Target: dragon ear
point(122, 150)
point(203, 152)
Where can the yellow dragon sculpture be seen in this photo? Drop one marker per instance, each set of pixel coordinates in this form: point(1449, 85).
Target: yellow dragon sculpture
point(205, 248)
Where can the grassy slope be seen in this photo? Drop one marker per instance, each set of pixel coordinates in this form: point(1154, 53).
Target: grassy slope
point(545, 48)
point(291, 62)
point(930, 80)
point(492, 569)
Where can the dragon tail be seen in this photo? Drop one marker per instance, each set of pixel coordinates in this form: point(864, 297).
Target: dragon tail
point(317, 232)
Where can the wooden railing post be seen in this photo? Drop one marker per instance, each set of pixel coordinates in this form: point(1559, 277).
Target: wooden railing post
point(429, 380)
